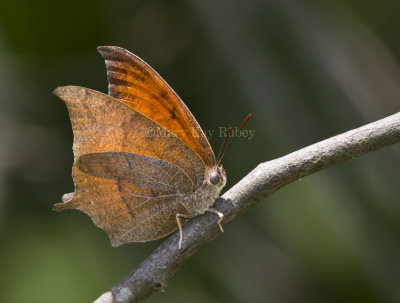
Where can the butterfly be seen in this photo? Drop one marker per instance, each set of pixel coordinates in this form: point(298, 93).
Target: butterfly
point(143, 166)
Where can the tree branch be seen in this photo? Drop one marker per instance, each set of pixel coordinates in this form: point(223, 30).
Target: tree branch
point(154, 272)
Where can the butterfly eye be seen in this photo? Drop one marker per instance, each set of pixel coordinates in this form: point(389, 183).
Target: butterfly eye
point(214, 178)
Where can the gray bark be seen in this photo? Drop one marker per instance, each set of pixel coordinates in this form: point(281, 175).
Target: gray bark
point(154, 272)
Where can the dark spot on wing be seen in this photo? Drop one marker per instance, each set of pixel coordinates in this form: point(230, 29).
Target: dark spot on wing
point(172, 115)
point(164, 94)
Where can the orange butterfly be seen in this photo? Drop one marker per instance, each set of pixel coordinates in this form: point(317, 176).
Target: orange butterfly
point(143, 166)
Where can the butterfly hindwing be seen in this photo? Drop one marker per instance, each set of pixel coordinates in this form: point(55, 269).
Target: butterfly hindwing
point(133, 197)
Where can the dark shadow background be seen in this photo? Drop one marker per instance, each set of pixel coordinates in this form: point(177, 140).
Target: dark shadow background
point(307, 70)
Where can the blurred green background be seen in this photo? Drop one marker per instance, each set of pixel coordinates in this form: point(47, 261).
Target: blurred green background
point(307, 70)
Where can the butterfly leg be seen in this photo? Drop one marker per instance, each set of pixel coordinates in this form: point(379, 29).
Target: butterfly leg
point(178, 221)
point(219, 214)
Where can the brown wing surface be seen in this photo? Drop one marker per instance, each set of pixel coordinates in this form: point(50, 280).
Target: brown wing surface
point(103, 124)
point(133, 197)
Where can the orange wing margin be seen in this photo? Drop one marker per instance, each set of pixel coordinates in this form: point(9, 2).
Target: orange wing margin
point(137, 85)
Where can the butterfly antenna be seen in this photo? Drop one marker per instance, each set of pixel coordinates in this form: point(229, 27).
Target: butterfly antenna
point(234, 137)
point(223, 143)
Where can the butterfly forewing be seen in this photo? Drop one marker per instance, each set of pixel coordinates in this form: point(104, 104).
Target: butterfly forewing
point(103, 124)
point(136, 84)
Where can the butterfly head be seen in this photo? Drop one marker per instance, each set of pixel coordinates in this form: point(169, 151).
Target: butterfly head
point(217, 177)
